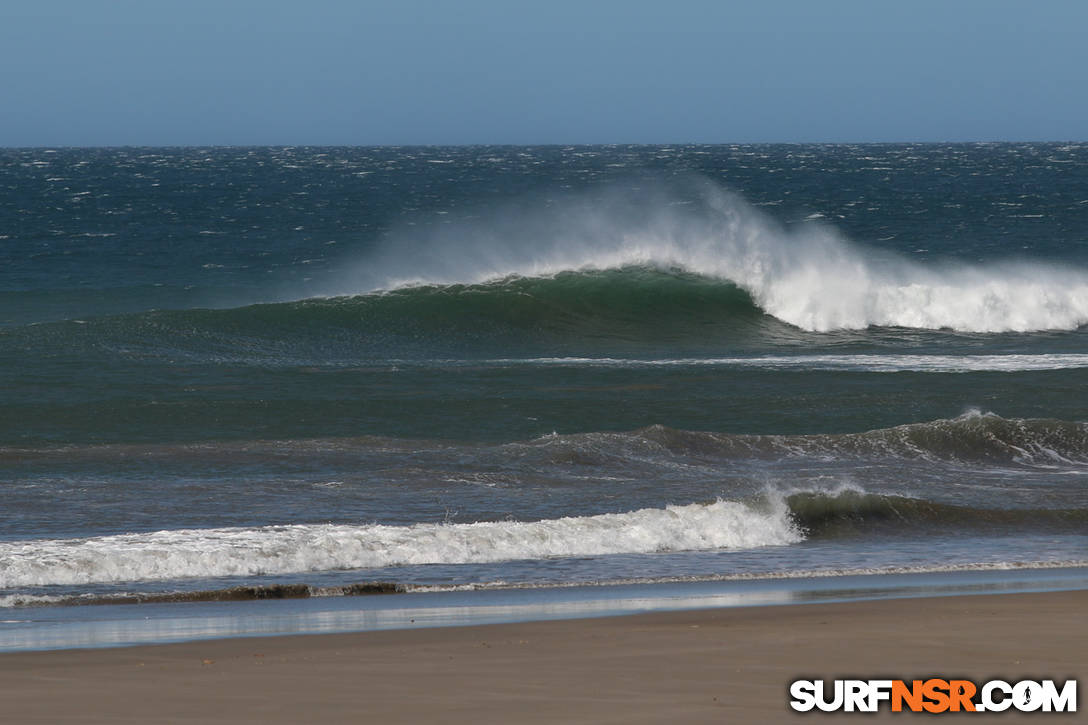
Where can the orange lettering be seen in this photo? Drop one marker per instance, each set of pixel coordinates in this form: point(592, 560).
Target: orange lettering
point(912, 695)
point(961, 692)
point(936, 691)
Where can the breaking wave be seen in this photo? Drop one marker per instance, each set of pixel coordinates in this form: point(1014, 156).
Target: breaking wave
point(183, 554)
point(584, 317)
point(775, 519)
point(807, 276)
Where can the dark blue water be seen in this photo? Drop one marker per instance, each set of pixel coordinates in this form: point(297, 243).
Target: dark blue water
point(477, 365)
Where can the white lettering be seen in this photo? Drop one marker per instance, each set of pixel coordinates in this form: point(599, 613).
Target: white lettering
point(879, 690)
point(1064, 701)
point(803, 693)
point(829, 705)
point(988, 701)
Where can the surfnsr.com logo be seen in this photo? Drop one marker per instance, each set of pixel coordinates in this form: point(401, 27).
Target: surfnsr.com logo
point(934, 695)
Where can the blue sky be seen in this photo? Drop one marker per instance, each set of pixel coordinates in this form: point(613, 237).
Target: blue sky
point(145, 72)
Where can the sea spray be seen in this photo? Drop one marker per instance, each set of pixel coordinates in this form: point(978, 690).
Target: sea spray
point(808, 275)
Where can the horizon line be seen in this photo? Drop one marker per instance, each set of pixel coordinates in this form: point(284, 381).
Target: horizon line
point(552, 144)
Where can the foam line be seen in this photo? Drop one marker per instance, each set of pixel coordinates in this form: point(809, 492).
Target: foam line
point(183, 554)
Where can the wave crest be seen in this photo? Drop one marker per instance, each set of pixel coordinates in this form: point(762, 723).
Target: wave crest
point(850, 512)
point(808, 276)
point(974, 437)
point(184, 554)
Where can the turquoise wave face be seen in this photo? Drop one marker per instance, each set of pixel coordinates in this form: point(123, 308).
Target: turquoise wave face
point(632, 307)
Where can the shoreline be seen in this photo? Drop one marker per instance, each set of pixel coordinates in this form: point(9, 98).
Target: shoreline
point(109, 625)
point(691, 666)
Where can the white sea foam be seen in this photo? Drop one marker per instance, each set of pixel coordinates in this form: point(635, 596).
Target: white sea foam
point(304, 548)
point(864, 363)
point(27, 600)
point(808, 276)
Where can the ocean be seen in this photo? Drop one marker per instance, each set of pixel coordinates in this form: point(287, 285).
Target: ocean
point(526, 368)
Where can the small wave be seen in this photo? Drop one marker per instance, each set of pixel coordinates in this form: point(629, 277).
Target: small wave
point(231, 594)
point(30, 600)
point(974, 437)
point(776, 519)
point(183, 554)
point(848, 513)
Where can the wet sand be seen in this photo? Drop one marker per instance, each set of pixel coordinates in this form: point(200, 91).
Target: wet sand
point(719, 665)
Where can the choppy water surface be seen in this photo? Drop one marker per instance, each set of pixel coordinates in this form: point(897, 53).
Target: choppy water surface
point(526, 366)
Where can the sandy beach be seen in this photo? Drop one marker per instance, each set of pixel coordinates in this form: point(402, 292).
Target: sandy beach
point(720, 665)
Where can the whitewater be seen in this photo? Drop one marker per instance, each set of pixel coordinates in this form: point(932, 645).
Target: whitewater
point(811, 276)
point(296, 549)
